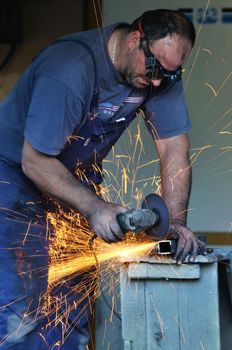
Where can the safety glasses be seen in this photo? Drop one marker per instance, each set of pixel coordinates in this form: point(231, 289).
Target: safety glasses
point(154, 68)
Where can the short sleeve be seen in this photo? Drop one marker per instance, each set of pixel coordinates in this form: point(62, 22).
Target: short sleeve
point(166, 114)
point(53, 114)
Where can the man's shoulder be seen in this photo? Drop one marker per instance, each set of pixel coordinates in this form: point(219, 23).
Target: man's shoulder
point(65, 62)
point(92, 38)
point(75, 58)
point(73, 53)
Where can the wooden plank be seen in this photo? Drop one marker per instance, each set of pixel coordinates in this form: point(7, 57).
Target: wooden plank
point(198, 315)
point(161, 311)
point(171, 314)
point(171, 271)
point(134, 327)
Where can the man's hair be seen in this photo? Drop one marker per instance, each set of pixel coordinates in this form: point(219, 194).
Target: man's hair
point(157, 24)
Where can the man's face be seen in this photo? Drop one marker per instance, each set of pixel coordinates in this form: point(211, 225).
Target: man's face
point(171, 52)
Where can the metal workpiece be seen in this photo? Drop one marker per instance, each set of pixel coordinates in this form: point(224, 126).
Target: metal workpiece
point(166, 247)
point(169, 247)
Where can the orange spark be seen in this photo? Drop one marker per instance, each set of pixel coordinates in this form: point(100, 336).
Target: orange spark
point(73, 265)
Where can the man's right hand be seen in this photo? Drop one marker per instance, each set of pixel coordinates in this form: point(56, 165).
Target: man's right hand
point(103, 221)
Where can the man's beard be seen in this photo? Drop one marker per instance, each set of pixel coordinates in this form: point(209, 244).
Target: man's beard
point(130, 75)
point(132, 78)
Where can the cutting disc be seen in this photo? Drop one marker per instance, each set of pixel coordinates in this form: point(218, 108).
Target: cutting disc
point(155, 203)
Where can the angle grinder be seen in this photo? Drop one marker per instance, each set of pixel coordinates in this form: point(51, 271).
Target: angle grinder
point(153, 218)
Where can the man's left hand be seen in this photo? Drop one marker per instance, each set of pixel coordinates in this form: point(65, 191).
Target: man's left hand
point(187, 243)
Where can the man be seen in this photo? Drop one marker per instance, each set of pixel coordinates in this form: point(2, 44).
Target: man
point(67, 110)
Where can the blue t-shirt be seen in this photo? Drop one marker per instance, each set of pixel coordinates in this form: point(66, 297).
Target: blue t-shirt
point(53, 97)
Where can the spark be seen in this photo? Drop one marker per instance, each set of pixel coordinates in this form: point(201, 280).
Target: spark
point(228, 148)
point(27, 232)
point(161, 323)
point(202, 346)
point(211, 102)
point(225, 132)
point(180, 328)
point(225, 81)
point(203, 19)
point(208, 51)
point(124, 180)
point(198, 151)
point(212, 89)
point(122, 156)
point(154, 161)
point(81, 257)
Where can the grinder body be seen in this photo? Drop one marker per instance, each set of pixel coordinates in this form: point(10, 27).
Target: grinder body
point(153, 218)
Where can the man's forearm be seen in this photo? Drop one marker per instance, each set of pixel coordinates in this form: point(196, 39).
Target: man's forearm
point(176, 186)
point(52, 178)
point(175, 171)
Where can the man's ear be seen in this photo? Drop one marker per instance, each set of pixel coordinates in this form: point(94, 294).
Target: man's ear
point(133, 39)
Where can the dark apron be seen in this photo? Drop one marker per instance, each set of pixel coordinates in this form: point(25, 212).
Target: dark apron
point(90, 145)
point(24, 248)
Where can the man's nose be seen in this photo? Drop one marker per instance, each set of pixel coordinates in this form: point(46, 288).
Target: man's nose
point(156, 82)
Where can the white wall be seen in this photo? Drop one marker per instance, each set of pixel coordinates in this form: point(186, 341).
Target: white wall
point(208, 86)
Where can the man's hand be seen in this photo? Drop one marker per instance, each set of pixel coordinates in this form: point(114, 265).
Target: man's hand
point(103, 220)
point(187, 243)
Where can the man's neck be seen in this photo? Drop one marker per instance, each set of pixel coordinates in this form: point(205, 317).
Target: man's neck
point(117, 46)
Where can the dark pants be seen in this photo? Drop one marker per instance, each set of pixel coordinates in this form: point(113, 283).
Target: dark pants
point(24, 255)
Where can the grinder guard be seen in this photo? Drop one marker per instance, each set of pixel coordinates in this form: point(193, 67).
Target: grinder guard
point(155, 203)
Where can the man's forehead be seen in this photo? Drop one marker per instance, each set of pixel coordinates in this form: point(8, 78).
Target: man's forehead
point(171, 50)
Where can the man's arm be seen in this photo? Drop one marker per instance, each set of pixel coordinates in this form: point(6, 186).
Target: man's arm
point(175, 171)
point(54, 179)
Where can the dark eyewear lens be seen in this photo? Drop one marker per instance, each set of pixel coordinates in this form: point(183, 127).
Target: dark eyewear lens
point(154, 68)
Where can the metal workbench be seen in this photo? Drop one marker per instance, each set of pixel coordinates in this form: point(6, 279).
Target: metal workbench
point(165, 306)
